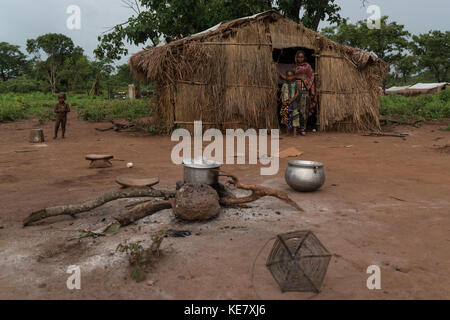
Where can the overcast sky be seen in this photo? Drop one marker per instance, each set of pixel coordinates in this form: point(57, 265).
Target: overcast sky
point(27, 19)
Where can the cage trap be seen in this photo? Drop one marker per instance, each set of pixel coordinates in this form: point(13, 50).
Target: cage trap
point(298, 262)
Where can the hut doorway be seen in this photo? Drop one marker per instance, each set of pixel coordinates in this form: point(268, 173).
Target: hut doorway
point(285, 60)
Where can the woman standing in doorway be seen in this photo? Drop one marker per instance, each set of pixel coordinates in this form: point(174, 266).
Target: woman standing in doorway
point(308, 99)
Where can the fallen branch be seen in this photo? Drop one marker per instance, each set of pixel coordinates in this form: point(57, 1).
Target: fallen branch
point(118, 126)
point(25, 151)
point(257, 193)
point(72, 210)
point(104, 130)
point(399, 122)
point(141, 211)
point(380, 134)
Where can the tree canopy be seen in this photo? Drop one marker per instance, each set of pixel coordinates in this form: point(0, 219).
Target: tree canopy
point(12, 61)
point(433, 53)
point(388, 43)
point(56, 47)
point(408, 54)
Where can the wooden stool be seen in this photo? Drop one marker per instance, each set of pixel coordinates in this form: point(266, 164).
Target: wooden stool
point(137, 183)
point(99, 161)
point(37, 136)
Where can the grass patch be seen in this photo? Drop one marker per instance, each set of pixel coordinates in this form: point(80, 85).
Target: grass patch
point(447, 128)
point(425, 107)
point(37, 105)
point(97, 111)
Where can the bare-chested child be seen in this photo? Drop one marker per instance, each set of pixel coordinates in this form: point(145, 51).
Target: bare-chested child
point(61, 110)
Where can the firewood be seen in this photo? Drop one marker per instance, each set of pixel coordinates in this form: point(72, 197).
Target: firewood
point(141, 211)
point(257, 193)
point(72, 210)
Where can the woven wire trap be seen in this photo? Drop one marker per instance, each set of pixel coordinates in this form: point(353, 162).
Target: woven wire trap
point(298, 262)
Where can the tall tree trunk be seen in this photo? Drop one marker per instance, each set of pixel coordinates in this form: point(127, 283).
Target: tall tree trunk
point(294, 11)
point(316, 21)
point(74, 88)
point(53, 75)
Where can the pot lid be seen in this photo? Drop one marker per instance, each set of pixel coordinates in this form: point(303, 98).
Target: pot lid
point(201, 163)
point(305, 164)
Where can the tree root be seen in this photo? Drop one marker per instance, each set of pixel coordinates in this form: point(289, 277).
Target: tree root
point(257, 193)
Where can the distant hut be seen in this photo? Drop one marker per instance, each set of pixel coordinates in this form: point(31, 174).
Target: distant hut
point(418, 89)
point(227, 76)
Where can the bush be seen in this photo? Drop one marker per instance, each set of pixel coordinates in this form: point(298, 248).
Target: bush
point(108, 110)
point(425, 107)
point(11, 111)
point(23, 85)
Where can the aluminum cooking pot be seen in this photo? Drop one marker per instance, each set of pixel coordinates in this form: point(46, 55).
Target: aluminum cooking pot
point(201, 171)
point(305, 176)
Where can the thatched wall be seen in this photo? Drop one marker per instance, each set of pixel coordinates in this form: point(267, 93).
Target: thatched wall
point(251, 79)
point(348, 92)
point(228, 77)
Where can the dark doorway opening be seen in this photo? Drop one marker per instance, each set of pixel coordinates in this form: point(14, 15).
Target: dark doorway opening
point(285, 60)
point(286, 56)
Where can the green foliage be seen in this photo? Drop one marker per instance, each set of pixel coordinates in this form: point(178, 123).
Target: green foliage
point(123, 75)
point(57, 48)
point(314, 11)
point(23, 85)
point(388, 43)
point(447, 128)
point(11, 111)
point(18, 107)
point(405, 67)
point(13, 62)
point(40, 106)
point(102, 110)
point(426, 53)
point(76, 70)
point(140, 258)
point(433, 52)
point(425, 107)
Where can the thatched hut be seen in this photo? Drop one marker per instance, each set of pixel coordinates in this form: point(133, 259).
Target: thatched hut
point(227, 76)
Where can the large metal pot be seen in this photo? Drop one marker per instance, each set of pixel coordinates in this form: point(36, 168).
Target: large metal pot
point(201, 171)
point(305, 176)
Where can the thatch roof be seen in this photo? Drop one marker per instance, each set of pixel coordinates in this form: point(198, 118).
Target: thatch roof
point(226, 74)
point(148, 64)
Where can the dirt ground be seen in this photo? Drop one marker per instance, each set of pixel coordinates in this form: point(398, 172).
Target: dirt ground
point(385, 203)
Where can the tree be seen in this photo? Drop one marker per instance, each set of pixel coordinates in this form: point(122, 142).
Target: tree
point(13, 62)
point(101, 70)
point(124, 75)
point(76, 69)
point(57, 47)
point(389, 43)
point(315, 11)
point(153, 19)
point(433, 52)
point(405, 67)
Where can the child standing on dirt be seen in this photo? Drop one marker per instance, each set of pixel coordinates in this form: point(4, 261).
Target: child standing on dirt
point(61, 110)
point(290, 92)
